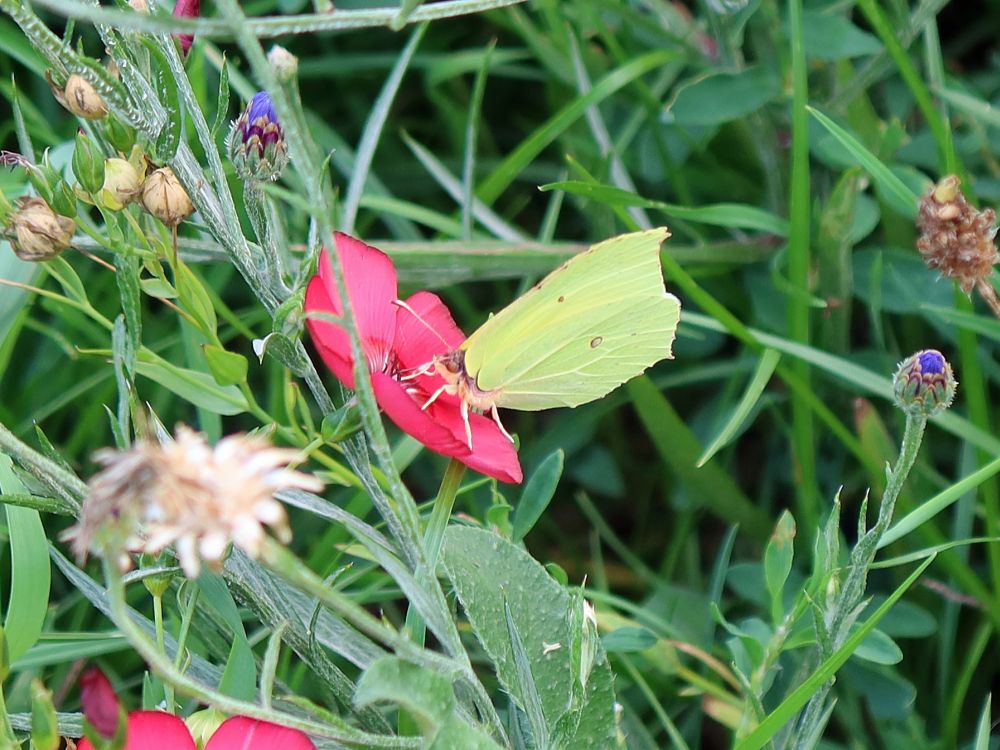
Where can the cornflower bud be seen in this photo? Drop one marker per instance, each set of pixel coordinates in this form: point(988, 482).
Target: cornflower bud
point(80, 97)
point(122, 184)
point(256, 141)
point(186, 9)
point(88, 164)
point(39, 232)
point(165, 198)
point(924, 384)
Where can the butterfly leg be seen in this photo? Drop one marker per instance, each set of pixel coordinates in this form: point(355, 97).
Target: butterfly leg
point(434, 396)
point(496, 418)
point(468, 426)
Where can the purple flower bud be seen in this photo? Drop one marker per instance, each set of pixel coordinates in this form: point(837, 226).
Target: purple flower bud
point(257, 142)
point(924, 383)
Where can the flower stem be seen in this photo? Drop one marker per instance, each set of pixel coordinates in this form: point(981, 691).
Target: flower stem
point(168, 690)
point(434, 535)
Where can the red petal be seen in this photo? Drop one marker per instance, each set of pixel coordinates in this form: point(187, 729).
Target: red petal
point(99, 701)
point(332, 341)
point(440, 428)
point(427, 331)
point(418, 339)
point(153, 730)
point(371, 286)
point(243, 733)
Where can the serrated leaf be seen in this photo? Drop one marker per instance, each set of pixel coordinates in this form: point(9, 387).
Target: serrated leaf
point(486, 570)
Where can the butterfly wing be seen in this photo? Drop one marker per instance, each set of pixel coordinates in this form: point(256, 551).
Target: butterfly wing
point(595, 322)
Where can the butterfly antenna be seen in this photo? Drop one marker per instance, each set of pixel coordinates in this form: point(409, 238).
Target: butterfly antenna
point(428, 326)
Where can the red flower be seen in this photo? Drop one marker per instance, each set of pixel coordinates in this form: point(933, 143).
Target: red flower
point(157, 730)
point(397, 341)
point(186, 9)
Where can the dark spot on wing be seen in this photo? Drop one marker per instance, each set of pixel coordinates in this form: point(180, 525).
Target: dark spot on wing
point(596, 341)
point(561, 298)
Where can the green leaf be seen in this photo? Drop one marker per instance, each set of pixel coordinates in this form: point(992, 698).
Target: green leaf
point(54, 649)
point(761, 376)
point(832, 36)
point(157, 288)
point(879, 648)
point(228, 368)
point(169, 137)
point(68, 279)
point(195, 299)
point(778, 562)
point(199, 388)
point(222, 105)
point(786, 710)
point(427, 696)
point(679, 449)
point(30, 574)
point(488, 572)
point(897, 194)
point(720, 214)
point(239, 679)
point(721, 97)
point(127, 276)
point(537, 494)
point(628, 640)
point(985, 724)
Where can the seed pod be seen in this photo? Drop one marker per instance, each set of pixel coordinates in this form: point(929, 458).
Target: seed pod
point(165, 198)
point(40, 233)
point(80, 98)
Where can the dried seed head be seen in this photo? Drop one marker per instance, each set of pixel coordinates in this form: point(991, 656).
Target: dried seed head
point(165, 197)
point(80, 98)
point(39, 232)
point(198, 497)
point(955, 238)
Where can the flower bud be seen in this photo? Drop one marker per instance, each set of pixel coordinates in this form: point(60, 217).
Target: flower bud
point(924, 384)
point(186, 9)
point(203, 724)
point(122, 184)
point(80, 98)
point(284, 63)
point(257, 142)
point(100, 702)
point(88, 164)
point(40, 233)
point(165, 197)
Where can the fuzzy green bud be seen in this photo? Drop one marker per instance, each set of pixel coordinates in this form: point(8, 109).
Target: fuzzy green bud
point(88, 164)
point(44, 729)
point(924, 384)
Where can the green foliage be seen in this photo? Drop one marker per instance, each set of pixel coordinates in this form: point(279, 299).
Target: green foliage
point(743, 595)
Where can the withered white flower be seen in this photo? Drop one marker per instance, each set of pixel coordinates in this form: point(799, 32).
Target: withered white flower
point(193, 495)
